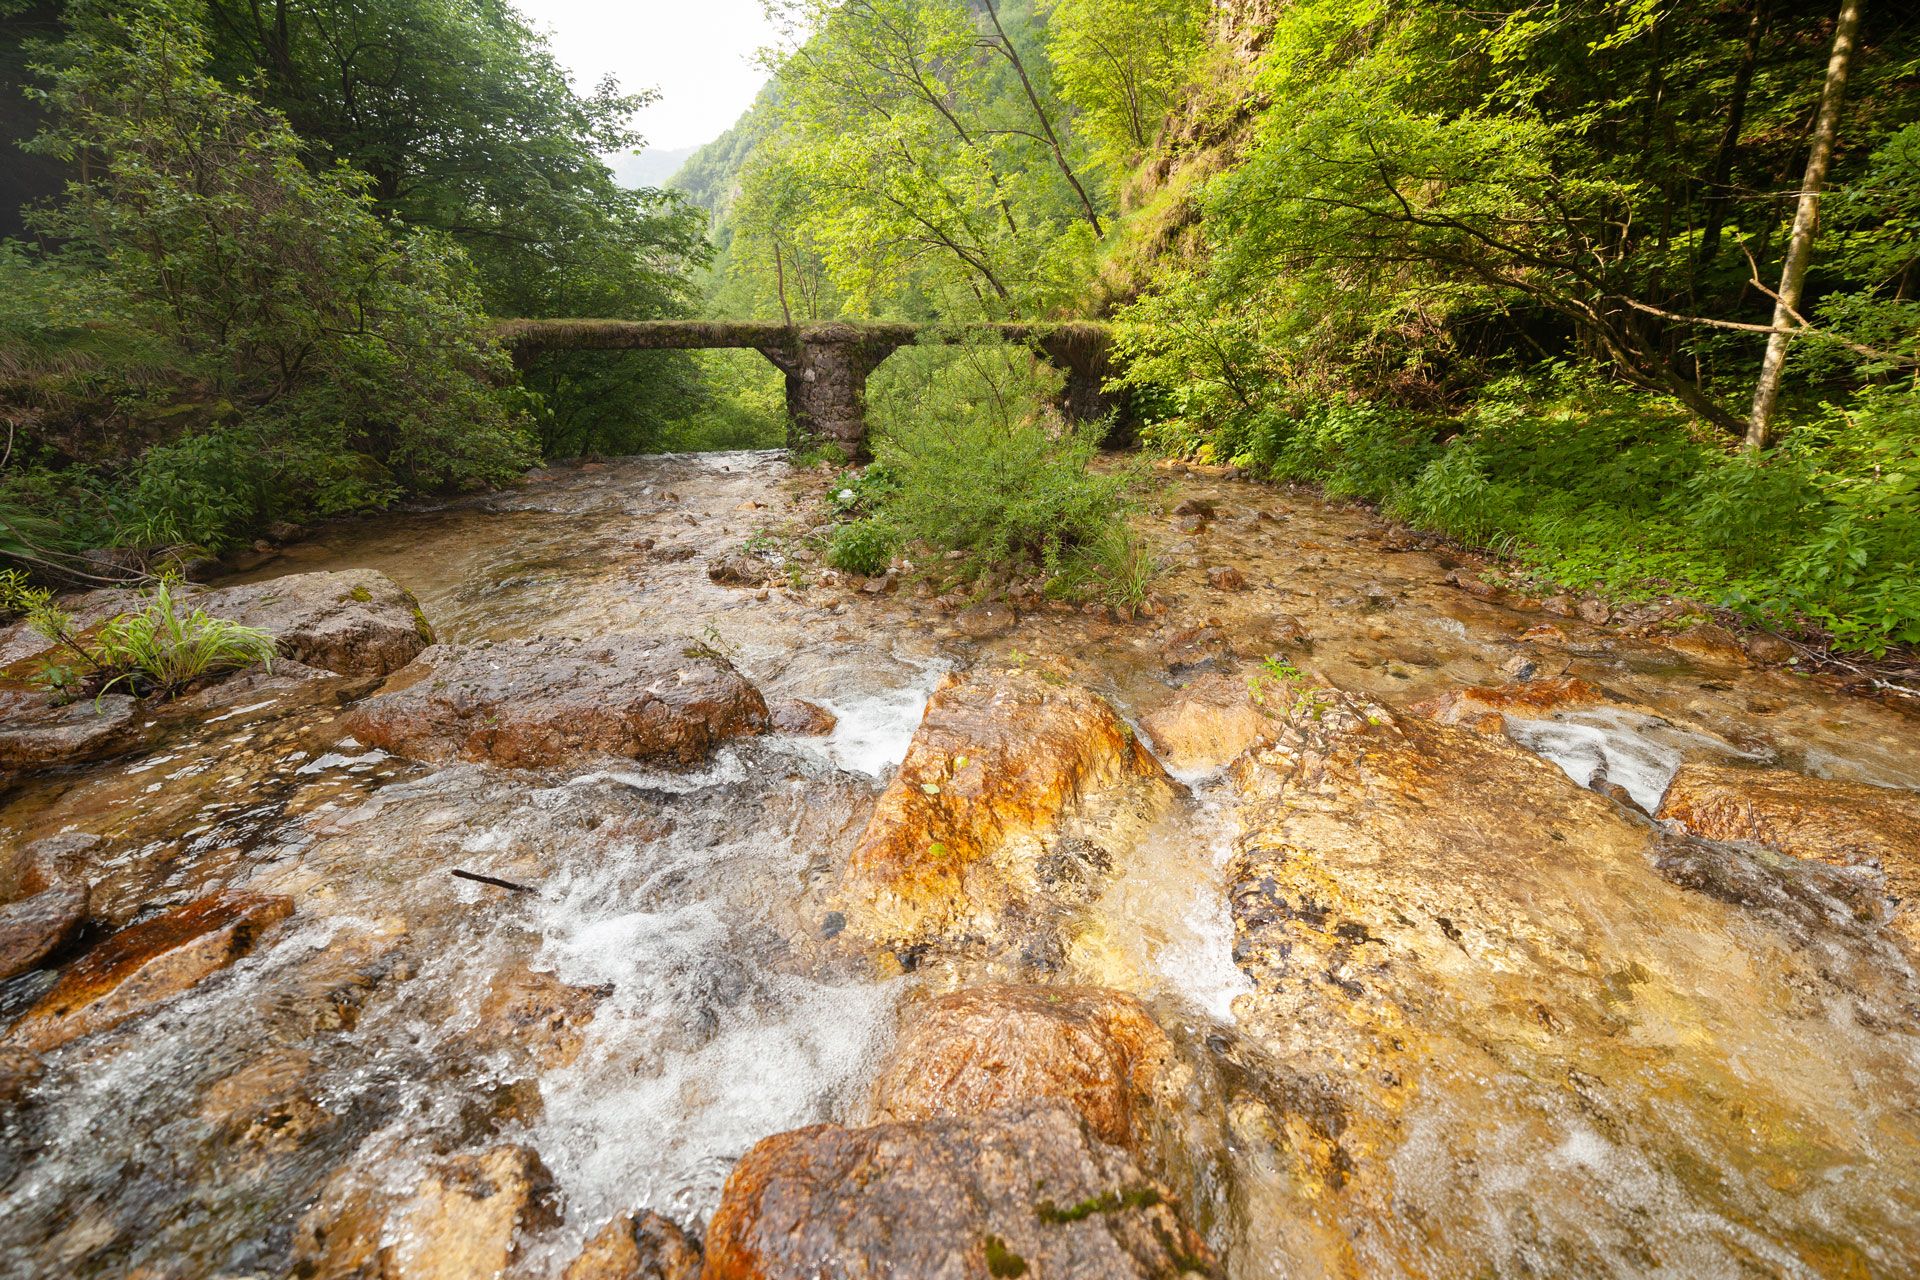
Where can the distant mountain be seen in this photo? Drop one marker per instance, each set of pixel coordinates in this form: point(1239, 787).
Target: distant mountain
point(649, 168)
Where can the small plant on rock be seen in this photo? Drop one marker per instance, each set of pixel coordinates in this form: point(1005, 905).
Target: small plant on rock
point(163, 647)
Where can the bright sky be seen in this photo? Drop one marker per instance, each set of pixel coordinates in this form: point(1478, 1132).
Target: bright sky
point(698, 54)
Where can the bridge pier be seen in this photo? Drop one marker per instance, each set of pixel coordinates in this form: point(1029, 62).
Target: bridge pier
point(826, 372)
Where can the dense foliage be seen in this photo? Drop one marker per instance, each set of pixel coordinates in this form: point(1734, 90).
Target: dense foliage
point(267, 291)
point(972, 460)
point(1507, 269)
point(282, 349)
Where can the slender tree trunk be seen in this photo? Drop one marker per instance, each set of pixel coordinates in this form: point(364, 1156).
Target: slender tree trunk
point(1046, 125)
point(1805, 216)
point(1718, 192)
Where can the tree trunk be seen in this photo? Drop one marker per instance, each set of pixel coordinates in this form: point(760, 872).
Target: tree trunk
point(1718, 190)
point(1805, 216)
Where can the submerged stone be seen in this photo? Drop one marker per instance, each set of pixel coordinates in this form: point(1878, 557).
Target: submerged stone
point(147, 963)
point(1848, 824)
point(637, 1246)
point(467, 1219)
point(35, 927)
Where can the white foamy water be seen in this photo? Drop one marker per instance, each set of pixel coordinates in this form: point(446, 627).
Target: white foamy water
point(875, 724)
point(1163, 925)
point(1611, 744)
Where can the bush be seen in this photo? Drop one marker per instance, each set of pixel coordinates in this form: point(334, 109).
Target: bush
point(1594, 487)
point(162, 648)
point(976, 461)
point(229, 335)
point(862, 546)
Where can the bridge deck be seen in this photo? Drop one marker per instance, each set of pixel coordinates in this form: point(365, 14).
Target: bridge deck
point(530, 336)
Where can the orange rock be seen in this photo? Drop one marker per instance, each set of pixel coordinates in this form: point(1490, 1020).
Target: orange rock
point(465, 1221)
point(966, 1053)
point(1213, 720)
point(1481, 708)
point(1000, 758)
point(1226, 578)
point(1024, 1192)
point(637, 1246)
point(1709, 643)
point(1847, 824)
point(143, 965)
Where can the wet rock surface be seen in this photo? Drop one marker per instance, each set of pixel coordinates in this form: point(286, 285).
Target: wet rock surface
point(467, 1218)
point(1213, 720)
point(147, 963)
point(1024, 1191)
point(1476, 957)
point(981, 1048)
point(35, 927)
point(966, 828)
point(1370, 994)
point(1847, 824)
point(354, 622)
point(637, 1246)
point(531, 703)
point(36, 734)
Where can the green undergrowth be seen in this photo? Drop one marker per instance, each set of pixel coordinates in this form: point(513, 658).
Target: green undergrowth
point(1595, 488)
point(972, 459)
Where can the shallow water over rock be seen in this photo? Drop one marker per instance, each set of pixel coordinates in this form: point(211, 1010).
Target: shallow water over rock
point(1441, 1008)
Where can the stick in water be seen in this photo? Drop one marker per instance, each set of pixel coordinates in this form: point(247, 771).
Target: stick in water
point(495, 881)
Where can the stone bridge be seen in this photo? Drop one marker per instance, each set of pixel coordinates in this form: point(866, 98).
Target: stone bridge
point(826, 365)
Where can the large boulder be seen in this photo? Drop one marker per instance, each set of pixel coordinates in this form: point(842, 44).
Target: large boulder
point(350, 621)
point(977, 1049)
point(1847, 824)
point(533, 703)
point(1508, 1029)
point(145, 964)
point(1008, 775)
point(1025, 1191)
point(33, 928)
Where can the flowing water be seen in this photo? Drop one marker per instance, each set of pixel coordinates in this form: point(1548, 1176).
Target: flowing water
point(690, 903)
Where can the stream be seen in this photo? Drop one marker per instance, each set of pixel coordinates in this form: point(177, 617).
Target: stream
point(360, 1041)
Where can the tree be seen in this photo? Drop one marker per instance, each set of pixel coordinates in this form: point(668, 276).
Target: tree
point(348, 364)
point(936, 168)
point(1806, 214)
point(1122, 64)
point(465, 124)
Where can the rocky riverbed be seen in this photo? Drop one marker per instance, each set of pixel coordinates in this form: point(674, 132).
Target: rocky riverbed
point(600, 889)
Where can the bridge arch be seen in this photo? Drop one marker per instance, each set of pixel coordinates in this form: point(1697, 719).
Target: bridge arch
point(826, 365)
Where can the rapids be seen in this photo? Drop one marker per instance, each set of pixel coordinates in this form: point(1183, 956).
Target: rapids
point(692, 902)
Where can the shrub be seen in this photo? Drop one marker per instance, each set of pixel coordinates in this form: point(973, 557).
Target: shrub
point(861, 546)
point(975, 460)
